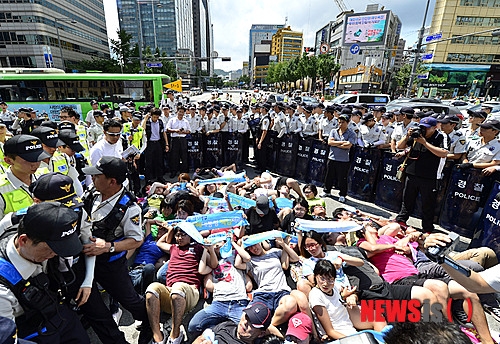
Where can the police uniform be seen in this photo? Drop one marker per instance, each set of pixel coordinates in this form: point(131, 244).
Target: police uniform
point(354, 127)
point(211, 124)
point(479, 152)
point(458, 142)
point(3, 165)
point(114, 219)
point(265, 124)
point(310, 127)
point(81, 131)
point(326, 125)
point(373, 136)
point(196, 123)
point(387, 131)
point(280, 124)
point(295, 125)
point(30, 292)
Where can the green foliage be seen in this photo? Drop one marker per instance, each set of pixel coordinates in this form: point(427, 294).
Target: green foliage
point(403, 75)
point(245, 79)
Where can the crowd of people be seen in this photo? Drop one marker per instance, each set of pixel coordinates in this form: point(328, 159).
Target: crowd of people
point(77, 218)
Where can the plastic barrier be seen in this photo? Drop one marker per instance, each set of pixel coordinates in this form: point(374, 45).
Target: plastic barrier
point(489, 224)
point(286, 157)
point(233, 151)
point(317, 164)
point(272, 146)
point(213, 150)
point(195, 150)
point(303, 158)
point(466, 195)
point(389, 190)
point(363, 174)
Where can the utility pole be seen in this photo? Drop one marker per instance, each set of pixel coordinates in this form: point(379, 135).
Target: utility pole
point(417, 53)
point(139, 31)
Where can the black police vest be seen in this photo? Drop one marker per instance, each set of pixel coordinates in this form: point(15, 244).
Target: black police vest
point(148, 130)
point(36, 295)
point(106, 228)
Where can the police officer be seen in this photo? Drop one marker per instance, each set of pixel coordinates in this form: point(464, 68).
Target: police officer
point(404, 123)
point(371, 134)
point(263, 137)
point(327, 123)
point(387, 126)
point(125, 114)
point(210, 123)
point(134, 136)
point(69, 114)
point(24, 123)
point(58, 162)
point(295, 124)
point(378, 111)
point(309, 124)
point(484, 152)
point(239, 125)
point(457, 139)
point(89, 119)
point(280, 125)
point(475, 118)
point(23, 153)
point(112, 214)
point(30, 278)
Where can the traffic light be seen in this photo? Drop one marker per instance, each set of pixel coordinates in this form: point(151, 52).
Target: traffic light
point(488, 82)
point(310, 50)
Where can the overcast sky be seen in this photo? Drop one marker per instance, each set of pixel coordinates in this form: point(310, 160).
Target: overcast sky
point(232, 20)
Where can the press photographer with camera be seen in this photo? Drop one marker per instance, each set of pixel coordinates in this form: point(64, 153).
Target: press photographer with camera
point(426, 151)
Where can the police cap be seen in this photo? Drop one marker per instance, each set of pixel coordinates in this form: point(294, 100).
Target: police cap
point(111, 167)
point(55, 224)
point(55, 186)
point(48, 136)
point(70, 139)
point(66, 125)
point(27, 147)
point(491, 124)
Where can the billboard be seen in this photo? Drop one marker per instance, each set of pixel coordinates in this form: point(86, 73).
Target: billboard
point(365, 29)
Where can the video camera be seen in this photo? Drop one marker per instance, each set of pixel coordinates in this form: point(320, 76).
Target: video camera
point(439, 254)
point(417, 132)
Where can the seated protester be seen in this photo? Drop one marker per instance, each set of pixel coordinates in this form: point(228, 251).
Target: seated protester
point(274, 183)
point(183, 209)
point(318, 212)
point(261, 217)
point(266, 267)
point(369, 285)
point(311, 192)
point(229, 286)
point(294, 273)
point(313, 248)
point(333, 319)
point(342, 214)
point(300, 329)
point(252, 326)
point(393, 257)
point(485, 151)
point(183, 184)
point(152, 217)
point(148, 259)
point(300, 210)
point(156, 194)
point(181, 292)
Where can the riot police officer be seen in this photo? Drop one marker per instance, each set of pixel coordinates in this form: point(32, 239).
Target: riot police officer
point(30, 278)
point(114, 218)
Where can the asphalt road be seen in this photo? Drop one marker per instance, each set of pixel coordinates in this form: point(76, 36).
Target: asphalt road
point(128, 326)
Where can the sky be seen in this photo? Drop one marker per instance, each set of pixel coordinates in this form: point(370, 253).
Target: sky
point(232, 20)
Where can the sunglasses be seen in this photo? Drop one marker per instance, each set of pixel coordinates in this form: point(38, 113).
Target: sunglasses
point(113, 134)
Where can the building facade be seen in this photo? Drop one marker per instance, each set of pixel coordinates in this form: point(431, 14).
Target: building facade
point(461, 66)
point(286, 44)
point(50, 33)
point(261, 36)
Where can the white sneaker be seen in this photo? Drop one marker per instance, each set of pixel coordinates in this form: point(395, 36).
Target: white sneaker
point(177, 340)
point(342, 199)
point(325, 194)
point(117, 316)
point(166, 339)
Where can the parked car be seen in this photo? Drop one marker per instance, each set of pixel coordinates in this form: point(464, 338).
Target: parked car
point(371, 100)
point(273, 98)
point(440, 108)
point(307, 100)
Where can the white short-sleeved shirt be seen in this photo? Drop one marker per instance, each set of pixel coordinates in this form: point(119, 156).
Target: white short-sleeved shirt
point(458, 142)
point(104, 148)
point(336, 311)
point(477, 152)
point(492, 277)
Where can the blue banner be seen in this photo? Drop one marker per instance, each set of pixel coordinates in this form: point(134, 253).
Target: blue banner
point(260, 237)
point(240, 201)
point(327, 226)
point(236, 178)
point(489, 224)
point(363, 175)
point(226, 250)
point(218, 220)
point(466, 195)
point(282, 202)
point(190, 230)
point(215, 202)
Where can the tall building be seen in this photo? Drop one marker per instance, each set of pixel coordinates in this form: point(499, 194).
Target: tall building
point(51, 33)
point(461, 66)
point(244, 70)
point(180, 28)
point(261, 36)
point(365, 44)
point(286, 44)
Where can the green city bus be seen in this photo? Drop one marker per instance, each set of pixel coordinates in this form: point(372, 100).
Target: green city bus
point(49, 90)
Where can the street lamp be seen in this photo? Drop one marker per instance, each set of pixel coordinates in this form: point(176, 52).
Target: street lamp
point(59, 38)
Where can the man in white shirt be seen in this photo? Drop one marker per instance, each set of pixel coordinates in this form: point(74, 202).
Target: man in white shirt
point(5, 115)
point(90, 115)
point(111, 145)
point(178, 127)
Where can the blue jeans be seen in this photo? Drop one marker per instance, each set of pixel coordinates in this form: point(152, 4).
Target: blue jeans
point(161, 274)
point(216, 313)
point(142, 277)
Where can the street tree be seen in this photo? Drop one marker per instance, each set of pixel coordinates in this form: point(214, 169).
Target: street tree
point(327, 68)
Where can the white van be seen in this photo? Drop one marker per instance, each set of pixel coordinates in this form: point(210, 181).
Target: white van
point(371, 100)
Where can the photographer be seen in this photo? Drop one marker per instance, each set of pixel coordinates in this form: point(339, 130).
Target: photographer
point(424, 167)
point(178, 127)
